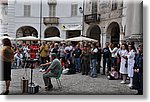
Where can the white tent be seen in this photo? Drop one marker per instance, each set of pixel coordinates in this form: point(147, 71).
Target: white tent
point(53, 39)
point(81, 38)
point(2, 37)
point(28, 38)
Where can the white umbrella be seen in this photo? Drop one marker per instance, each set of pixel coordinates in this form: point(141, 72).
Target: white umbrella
point(2, 37)
point(81, 38)
point(53, 39)
point(28, 38)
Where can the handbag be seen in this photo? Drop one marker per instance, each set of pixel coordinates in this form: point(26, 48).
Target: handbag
point(126, 64)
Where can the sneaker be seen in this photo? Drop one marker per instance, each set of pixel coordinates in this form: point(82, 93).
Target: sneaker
point(94, 76)
point(122, 82)
point(41, 70)
point(108, 77)
point(130, 85)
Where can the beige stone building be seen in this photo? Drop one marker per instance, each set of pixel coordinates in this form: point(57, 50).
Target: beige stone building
point(108, 20)
point(3, 16)
point(134, 21)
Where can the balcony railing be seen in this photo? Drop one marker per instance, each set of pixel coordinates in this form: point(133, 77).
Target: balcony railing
point(50, 20)
point(4, 2)
point(92, 18)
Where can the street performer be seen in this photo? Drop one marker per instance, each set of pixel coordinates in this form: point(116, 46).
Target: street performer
point(52, 71)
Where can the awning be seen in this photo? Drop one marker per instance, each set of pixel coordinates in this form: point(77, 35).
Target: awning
point(81, 38)
point(135, 37)
point(28, 38)
point(2, 37)
point(53, 39)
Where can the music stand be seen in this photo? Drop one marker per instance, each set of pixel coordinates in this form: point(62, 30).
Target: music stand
point(32, 62)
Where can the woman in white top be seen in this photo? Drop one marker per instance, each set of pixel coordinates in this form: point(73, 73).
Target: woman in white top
point(123, 69)
point(131, 61)
point(113, 51)
point(18, 58)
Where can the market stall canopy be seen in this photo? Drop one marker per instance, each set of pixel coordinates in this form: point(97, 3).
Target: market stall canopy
point(53, 39)
point(81, 38)
point(28, 38)
point(2, 37)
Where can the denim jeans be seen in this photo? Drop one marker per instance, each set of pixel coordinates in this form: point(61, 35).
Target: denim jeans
point(108, 61)
point(113, 61)
point(17, 62)
point(93, 71)
point(77, 64)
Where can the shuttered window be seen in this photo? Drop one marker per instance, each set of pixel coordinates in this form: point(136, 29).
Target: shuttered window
point(52, 10)
point(27, 10)
point(94, 7)
point(114, 4)
point(74, 8)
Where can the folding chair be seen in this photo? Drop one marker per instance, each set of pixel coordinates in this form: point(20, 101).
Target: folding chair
point(57, 78)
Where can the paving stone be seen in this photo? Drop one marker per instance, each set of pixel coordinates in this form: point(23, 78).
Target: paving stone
point(75, 84)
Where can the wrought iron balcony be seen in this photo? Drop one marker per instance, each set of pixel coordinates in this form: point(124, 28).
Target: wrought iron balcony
point(92, 18)
point(52, 2)
point(4, 2)
point(50, 20)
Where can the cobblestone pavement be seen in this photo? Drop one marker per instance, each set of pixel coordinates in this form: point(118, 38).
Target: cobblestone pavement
point(75, 84)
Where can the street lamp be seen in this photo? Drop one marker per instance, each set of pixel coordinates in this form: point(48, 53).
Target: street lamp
point(40, 19)
point(82, 11)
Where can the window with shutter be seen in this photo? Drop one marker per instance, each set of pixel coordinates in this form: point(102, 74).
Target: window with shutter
point(94, 7)
point(74, 8)
point(27, 10)
point(52, 10)
point(114, 4)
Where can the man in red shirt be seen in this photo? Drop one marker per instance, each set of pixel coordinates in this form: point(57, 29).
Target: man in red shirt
point(33, 51)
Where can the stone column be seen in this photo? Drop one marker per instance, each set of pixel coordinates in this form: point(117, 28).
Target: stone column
point(122, 35)
point(63, 34)
point(134, 18)
point(11, 18)
point(137, 15)
point(105, 38)
point(129, 18)
point(101, 41)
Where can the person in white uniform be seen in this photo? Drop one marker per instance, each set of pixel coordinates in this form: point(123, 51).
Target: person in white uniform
point(131, 61)
point(123, 69)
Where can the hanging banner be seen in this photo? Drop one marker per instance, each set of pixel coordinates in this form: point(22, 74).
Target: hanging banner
point(71, 27)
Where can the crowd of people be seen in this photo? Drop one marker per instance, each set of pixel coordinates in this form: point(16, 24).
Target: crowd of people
point(118, 61)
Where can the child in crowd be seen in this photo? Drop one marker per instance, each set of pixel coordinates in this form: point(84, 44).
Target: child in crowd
point(68, 68)
point(113, 74)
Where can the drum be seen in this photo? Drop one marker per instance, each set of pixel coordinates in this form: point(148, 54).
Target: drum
point(32, 88)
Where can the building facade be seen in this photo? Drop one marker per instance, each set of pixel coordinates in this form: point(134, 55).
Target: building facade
point(113, 21)
point(134, 22)
point(3, 16)
point(103, 20)
point(44, 18)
